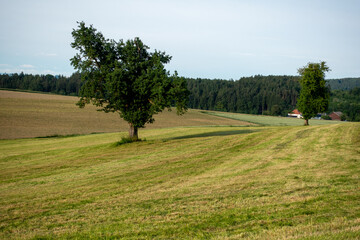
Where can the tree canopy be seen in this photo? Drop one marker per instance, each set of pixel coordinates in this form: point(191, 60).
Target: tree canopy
point(125, 77)
point(314, 94)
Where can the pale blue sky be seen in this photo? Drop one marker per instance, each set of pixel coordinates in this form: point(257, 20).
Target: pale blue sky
point(224, 39)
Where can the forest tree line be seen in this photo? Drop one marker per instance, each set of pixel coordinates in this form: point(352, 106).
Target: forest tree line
point(43, 83)
point(270, 95)
point(267, 95)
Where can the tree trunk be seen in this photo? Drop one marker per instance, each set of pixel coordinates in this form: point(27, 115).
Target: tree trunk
point(133, 132)
point(306, 122)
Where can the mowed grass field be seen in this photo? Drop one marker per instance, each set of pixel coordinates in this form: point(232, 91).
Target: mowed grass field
point(264, 120)
point(24, 115)
point(185, 182)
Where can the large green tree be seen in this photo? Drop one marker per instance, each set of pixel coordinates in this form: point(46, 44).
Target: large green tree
point(125, 77)
point(314, 94)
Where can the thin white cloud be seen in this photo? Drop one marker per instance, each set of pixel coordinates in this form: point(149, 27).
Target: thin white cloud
point(26, 66)
point(47, 54)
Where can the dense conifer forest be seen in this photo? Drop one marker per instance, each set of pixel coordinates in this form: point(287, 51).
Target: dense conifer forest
point(271, 95)
point(267, 95)
point(42, 83)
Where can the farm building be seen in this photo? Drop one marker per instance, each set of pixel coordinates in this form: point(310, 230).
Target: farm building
point(295, 113)
point(335, 116)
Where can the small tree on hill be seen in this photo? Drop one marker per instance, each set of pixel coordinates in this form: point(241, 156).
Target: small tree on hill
point(125, 77)
point(314, 94)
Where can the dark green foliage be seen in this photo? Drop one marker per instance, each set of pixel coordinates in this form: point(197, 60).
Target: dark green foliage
point(314, 94)
point(125, 77)
point(125, 140)
point(326, 117)
point(275, 95)
point(343, 83)
point(42, 83)
point(348, 102)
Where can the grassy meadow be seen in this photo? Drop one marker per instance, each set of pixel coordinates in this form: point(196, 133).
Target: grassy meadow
point(218, 179)
point(265, 120)
point(24, 115)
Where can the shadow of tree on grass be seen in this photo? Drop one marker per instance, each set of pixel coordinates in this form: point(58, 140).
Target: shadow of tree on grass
point(214, 134)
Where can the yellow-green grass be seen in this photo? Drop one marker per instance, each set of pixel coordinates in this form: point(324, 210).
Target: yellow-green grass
point(269, 120)
point(24, 115)
point(184, 183)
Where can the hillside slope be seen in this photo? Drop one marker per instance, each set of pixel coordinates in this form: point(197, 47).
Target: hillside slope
point(185, 183)
point(24, 115)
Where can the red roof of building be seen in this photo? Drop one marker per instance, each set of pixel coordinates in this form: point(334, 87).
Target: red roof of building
point(295, 111)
